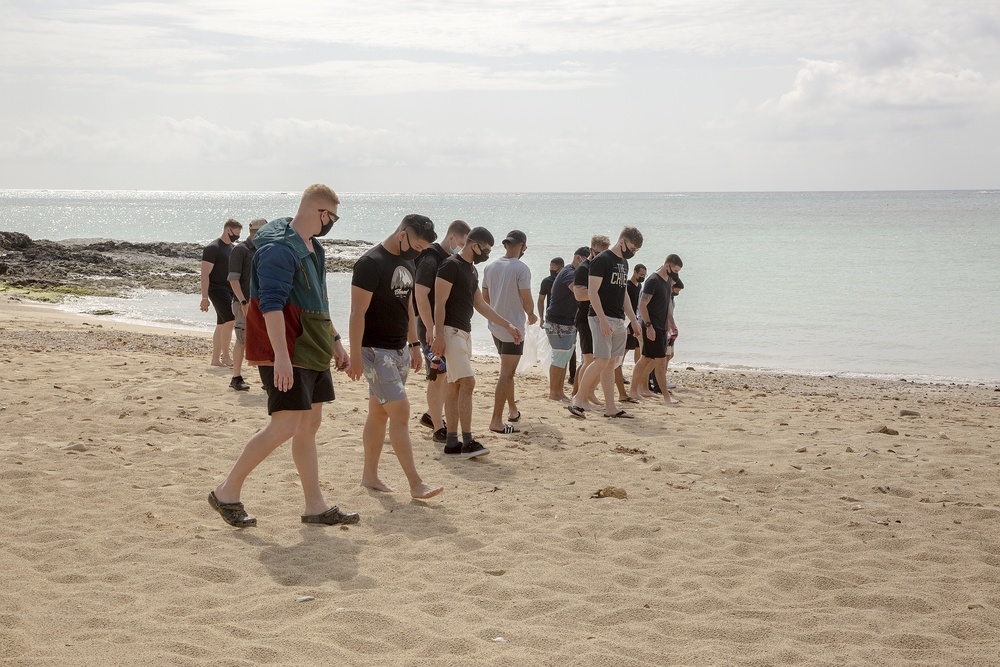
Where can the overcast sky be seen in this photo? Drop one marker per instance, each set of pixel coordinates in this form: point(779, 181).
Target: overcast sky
point(507, 95)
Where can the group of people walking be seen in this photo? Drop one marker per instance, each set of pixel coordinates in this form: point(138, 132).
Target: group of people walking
point(412, 301)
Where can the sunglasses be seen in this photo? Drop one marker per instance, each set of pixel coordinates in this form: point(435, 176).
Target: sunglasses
point(333, 216)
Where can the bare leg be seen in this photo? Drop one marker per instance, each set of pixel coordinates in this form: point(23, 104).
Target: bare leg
point(436, 391)
point(505, 389)
point(620, 382)
point(399, 435)
point(226, 340)
point(217, 346)
point(373, 438)
point(660, 368)
point(557, 379)
point(282, 426)
point(607, 377)
point(591, 376)
point(307, 461)
point(466, 387)
point(238, 350)
point(639, 379)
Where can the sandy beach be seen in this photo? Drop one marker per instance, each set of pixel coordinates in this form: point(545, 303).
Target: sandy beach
point(767, 522)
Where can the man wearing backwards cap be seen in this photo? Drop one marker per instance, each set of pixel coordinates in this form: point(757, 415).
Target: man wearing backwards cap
point(507, 288)
point(560, 324)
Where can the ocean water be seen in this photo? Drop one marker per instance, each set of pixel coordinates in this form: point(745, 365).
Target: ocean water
point(894, 284)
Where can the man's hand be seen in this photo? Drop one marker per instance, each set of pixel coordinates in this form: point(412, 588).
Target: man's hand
point(416, 359)
point(340, 357)
point(204, 304)
point(531, 318)
point(515, 333)
point(605, 326)
point(356, 367)
point(437, 346)
point(650, 333)
point(283, 377)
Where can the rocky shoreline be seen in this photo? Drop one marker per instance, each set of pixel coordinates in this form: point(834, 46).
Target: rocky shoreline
point(49, 270)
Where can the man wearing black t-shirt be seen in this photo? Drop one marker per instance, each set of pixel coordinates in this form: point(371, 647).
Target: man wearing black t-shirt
point(456, 295)
point(215, 289)
point(581, 282)
point(545, 289)
point(423, 297)
point(382, 328)
point(654, 309)
point(610, 313)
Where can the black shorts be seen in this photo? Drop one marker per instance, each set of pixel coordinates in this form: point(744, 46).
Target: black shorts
point(631, 342)
point(586, 337)
point(308, 388)
point(504, 347)
point(222, 301)
point(655, 349)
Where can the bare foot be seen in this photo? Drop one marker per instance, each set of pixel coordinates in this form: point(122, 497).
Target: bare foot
point(561, 399)
point(216, 362)
point(378, 485)
point(227, 362)
point(670, 400)
point(424, 491)
point(635, 397)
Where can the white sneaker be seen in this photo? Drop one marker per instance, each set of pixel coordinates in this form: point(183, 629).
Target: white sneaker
point(671, 385)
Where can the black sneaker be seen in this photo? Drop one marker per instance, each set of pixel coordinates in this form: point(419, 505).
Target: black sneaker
point(425, 420)
point(441, 435)
point(238, 384)
point(469, 451)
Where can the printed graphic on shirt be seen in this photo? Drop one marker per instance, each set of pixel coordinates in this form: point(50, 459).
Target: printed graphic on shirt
point(402, 282)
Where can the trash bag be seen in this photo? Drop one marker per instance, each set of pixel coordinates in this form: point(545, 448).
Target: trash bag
point(536, 349)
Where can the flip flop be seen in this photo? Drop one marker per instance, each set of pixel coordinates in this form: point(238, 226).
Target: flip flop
point(576, 411)
point(628, 399)
point(621, 414)
point(506, 430)
point(515, 419)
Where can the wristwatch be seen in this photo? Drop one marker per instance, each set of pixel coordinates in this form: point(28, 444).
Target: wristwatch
point(412, 345)
point(243, 302)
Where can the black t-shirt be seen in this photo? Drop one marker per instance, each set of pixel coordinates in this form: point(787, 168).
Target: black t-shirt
point(658, 290)
point(464, 281)
point(390, 280)
point(614, 271)
point(581, 279)
point(217, 253)
point(427, 265)
point(562, 308)
point(633, 294)
point(545, 289)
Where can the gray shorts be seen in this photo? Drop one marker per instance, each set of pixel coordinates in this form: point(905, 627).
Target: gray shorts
point(386, 372)
point(240, 326)
point(609, 347)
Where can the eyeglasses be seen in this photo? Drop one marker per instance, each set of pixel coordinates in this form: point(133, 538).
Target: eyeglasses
point(333, 216)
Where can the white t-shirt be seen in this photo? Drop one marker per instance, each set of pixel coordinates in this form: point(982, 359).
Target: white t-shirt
point(505, 278)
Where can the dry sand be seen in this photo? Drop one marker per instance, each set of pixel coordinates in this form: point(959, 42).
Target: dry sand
point(765, 524)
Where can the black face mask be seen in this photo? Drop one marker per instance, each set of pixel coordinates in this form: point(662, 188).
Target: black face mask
point(410, 253)
point(626, 253)
point(325, 229)
point(640, 280)
point(480, 257)
point(233, 238)
point(553, 273)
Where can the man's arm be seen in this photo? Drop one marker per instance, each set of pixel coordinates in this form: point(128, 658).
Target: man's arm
point(529, 308)
point(235, 273)
point(630, 314)
point(360, 300)
point(593, 285)
point(486, 294)
point(422, 297)
point(416, 357)
point(644, 300)
point(486, 310)
point(541, 309)
point(206, 268)
point(442, 290)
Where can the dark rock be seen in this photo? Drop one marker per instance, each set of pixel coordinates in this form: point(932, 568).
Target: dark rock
point(14, 241)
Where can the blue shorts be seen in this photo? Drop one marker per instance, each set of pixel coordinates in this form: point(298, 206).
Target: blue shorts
point(562, 338)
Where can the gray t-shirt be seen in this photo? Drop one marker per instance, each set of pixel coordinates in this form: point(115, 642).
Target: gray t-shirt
point(505, 278)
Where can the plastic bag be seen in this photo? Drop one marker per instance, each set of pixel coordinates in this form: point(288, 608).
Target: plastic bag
point(536, 349)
